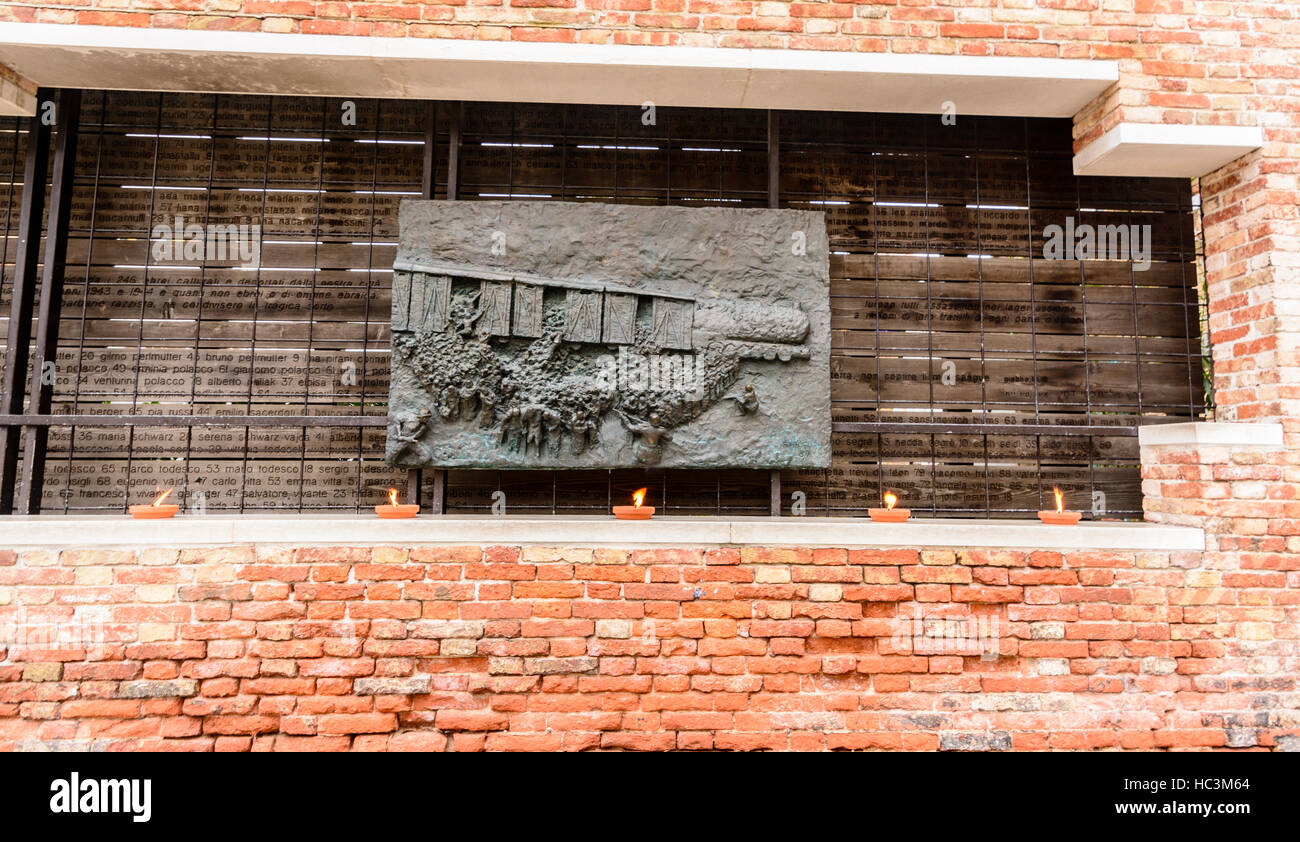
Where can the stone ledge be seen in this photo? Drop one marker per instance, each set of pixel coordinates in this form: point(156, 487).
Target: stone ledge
point(52, 531)
point(141, 58)
point(1165, 151)
point(1211, 434)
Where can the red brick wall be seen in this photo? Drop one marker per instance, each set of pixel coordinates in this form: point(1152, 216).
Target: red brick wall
point(1252, 234)
point(577, 648)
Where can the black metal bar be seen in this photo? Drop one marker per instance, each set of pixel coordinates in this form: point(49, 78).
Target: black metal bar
point(26, 258)
point(370, 282)
point(773, 159)
point(438, 498)
point(203, 285)
point(311, 300)
point(33, 420)
point(50, 303)
point(937, 428)
point(438, 494)
point(257, 293)
point(429, 172)
point(774, 201)
point(941, 428)
point(453, 150)
point(415, 477)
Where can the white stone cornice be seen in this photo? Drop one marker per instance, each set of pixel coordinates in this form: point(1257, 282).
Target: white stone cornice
point(1164, 151)
point(132, 58)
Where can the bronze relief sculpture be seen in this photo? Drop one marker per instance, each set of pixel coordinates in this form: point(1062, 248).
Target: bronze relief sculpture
point(584, 335)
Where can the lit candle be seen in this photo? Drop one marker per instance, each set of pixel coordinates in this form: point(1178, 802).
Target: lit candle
point(157, 509)
point(1060, 517)
point(636, 511)
point(395, 509)
point(889, 514)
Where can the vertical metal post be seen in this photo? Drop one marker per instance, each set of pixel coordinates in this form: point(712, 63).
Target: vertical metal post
point(49, 306)
point(773, 159)
point(414, 480)
point(774, 201)
point(456, 110)
point(438, 494)
point(26, 258)
point(415, 477)
point(430, 173)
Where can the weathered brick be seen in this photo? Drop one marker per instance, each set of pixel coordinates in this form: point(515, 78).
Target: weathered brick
point(394, 686)
point(552, 666)
point(620, 629)
point(178, 687)
point(472, 629)
point(974, 741)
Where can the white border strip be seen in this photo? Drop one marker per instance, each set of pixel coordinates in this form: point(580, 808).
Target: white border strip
point(352, 530)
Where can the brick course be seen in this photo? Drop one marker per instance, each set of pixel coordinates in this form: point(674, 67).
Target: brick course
point(250, 648)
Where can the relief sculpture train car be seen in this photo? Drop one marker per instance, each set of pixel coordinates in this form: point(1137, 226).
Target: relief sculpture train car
point(563, 335)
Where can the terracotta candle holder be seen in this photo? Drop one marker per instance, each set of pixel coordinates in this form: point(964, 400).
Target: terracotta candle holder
point(889, 514)
point(636, 511)
point(157, 510)
point(152, 512)
point(394, 510)
point(1060, 517)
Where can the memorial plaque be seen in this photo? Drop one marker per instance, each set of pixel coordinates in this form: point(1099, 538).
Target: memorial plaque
point(639, 336)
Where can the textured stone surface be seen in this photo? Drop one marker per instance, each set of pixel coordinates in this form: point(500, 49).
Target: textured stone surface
point(567, 335)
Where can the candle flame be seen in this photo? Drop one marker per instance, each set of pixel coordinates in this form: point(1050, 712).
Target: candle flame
point(157, 501)
point(392, 496)
point(1060, 500)
point(890, 499)
point(638, 497)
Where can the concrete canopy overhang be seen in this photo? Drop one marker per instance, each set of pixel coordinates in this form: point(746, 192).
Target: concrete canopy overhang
point(125, 58)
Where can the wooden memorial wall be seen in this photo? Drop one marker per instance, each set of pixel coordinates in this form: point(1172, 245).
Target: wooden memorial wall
point(958, 350)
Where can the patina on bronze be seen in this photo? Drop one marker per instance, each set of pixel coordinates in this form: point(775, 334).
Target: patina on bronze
point(570, 335)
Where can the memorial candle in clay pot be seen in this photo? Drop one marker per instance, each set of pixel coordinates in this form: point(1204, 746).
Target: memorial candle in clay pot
point(394, 509)
point(889, 514)
point(636, 511)
point(1060, 517)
